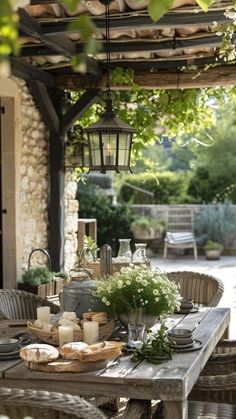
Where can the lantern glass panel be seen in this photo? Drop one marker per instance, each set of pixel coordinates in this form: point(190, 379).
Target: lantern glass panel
point(124, 148)
point(109, 148)
point(95, 149)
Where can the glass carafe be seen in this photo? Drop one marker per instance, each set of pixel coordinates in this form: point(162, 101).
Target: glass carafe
point(124, 254)
point(140, 253)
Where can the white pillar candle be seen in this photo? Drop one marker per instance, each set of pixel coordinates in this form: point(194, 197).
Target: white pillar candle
point(43, 314)
point(66, 334)
point(90, 332)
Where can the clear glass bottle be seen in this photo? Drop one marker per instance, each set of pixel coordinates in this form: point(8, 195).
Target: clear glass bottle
point(140, 253)
point(124, 254)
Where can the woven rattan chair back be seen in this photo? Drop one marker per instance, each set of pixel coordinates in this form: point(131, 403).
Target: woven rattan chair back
point(15, 304)
point(204, 290)
point(16, 404)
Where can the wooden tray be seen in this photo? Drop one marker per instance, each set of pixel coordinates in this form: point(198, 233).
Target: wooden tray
point(116, 267)
point(64, 365)
point(52, 338)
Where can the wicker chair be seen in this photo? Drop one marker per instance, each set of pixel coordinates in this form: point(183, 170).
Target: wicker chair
point(204, 290)
point(17, 403)
point(20, 305)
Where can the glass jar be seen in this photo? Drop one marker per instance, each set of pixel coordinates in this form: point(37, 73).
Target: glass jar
point(140, 253)
point(124, 254)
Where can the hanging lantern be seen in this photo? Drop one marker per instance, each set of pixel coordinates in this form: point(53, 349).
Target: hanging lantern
point(77, 150)
point(109, 139)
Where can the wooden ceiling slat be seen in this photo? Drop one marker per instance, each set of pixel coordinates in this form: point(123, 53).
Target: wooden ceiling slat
point(32, 27)
point(139, 21)
point(135, 46)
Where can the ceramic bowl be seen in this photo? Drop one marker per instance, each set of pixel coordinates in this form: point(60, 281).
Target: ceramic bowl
point(180, 340)
point(185, 304)
point(8, 345)
point(178, 332)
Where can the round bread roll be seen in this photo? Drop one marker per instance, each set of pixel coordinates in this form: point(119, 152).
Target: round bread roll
point(39, 324)
point(91, 353)
point(39, 353)
point(70, 350)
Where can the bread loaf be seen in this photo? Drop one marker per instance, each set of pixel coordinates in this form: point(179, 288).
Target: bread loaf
point(39, 353)
point(91, 353)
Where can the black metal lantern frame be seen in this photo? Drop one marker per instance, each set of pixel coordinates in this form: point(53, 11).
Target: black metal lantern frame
point(109, 139)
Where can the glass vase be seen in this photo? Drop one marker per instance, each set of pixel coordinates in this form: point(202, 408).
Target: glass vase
point(140, 253)
point(136, 329)
point(124, 254)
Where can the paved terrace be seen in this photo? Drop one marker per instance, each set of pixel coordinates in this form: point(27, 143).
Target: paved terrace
point(225, 269)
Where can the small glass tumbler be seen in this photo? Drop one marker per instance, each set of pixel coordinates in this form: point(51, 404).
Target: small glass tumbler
point(135, 335)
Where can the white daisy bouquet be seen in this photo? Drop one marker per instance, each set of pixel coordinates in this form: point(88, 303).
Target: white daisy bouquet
point(137, 287)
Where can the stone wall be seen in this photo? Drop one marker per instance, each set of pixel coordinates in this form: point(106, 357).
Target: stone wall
point(34, 188)
point(71, 220)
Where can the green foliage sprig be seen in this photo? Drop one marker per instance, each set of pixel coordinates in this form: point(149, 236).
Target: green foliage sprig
point(154, 349)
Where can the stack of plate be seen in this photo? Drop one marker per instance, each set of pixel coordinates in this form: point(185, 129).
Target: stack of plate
point(9, 349)
point(181, 340)
point(186, 306)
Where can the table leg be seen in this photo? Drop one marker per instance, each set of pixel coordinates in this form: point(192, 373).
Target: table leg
point(175, 410)
point(137, 409)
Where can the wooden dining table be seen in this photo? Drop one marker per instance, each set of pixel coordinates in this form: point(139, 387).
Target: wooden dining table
point(169, 381)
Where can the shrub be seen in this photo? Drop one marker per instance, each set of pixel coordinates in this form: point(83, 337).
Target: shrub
point(113, 221)
point(216, 222)
point(167, 187)
point(100, 180)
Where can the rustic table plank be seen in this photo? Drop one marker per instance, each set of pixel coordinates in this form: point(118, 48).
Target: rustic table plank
point(170, 381)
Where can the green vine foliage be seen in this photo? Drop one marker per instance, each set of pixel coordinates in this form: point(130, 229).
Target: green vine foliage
point(179, 114)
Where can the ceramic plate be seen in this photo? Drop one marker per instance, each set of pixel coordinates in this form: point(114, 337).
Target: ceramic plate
point(197, 344)
point(4, 356)
point(174, 346)
point(187, 311)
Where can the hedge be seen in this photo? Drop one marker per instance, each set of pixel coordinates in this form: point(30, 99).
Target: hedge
point(167, 187)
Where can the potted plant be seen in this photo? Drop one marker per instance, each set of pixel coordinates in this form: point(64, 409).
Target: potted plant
point(136, 294)
point(146, 228)
point(213, 250)
point(43, 282)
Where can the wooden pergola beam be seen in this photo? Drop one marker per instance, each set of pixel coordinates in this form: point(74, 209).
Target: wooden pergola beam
point(218, 76)
point(79, 108)
point(56, 168)
point(29, 72)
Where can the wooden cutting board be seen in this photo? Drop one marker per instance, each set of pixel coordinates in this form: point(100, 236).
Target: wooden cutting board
point(63, 365)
